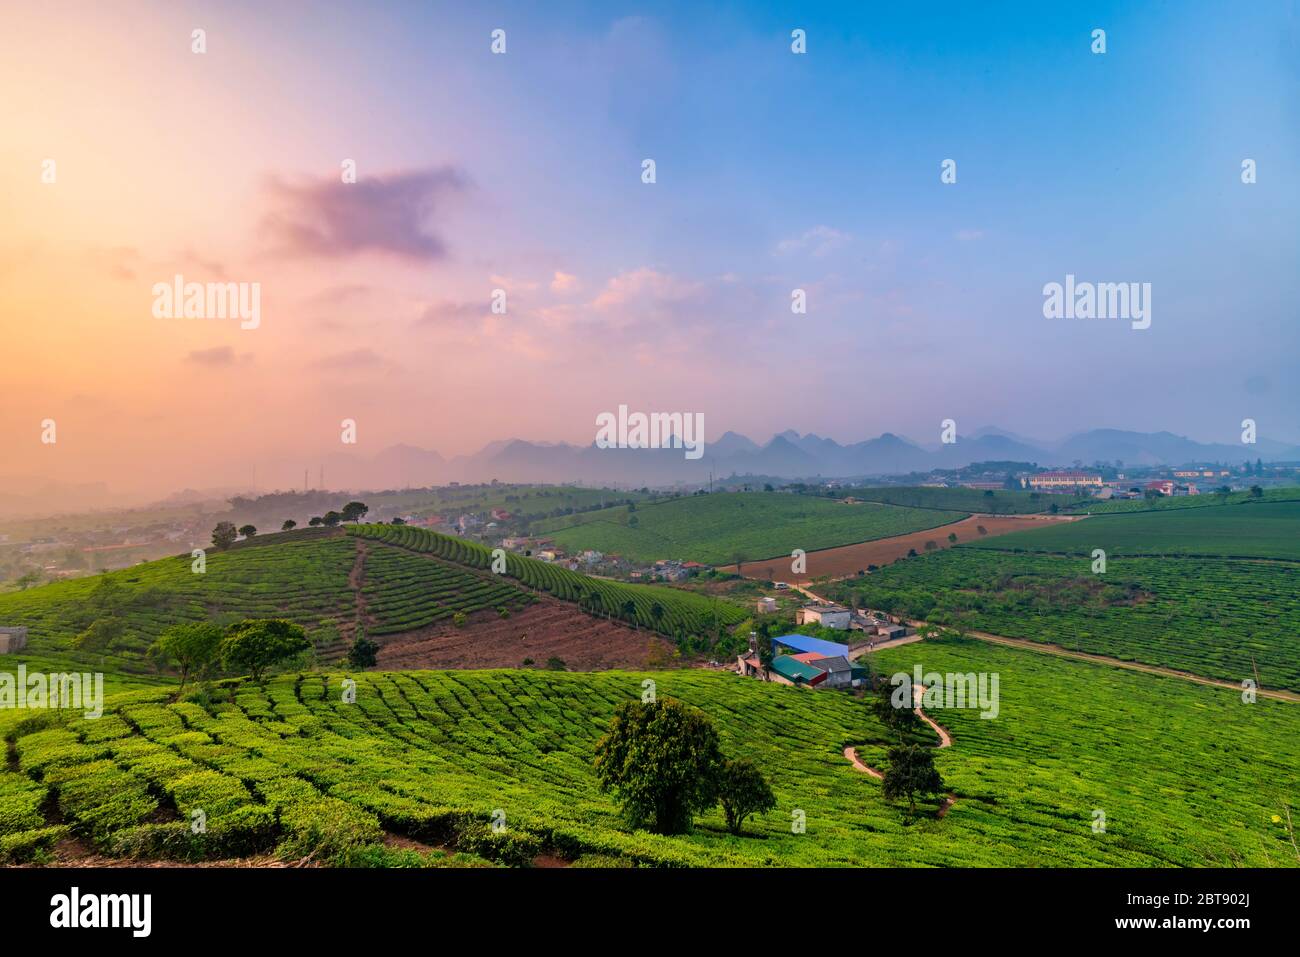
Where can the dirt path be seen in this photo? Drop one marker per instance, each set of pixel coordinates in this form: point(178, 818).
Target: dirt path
point(1060, 652)
point(845, 561)
point(945, 741)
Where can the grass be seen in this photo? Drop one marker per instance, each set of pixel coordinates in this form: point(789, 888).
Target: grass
point(1212, 617)
point(1206, 499)
point(1186, 775)
point(1263, 530)
point(715, 529)
point(998, 502)
point(680, 613)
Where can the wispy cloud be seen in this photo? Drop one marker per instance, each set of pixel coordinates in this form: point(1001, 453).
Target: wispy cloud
point(817, 241)
point(390, 214)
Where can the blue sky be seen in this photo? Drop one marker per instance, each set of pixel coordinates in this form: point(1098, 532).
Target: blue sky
point(775, 171)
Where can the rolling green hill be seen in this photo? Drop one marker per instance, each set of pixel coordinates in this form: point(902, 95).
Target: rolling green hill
point(671, 611)
point(1204, 500)
point(999, 502)
point(1261, 530)
point(1185, 775)
point(715, 529)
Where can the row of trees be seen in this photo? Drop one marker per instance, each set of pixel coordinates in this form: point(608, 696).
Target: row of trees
point(664, 763)
point(226, 534)
point(198, 649)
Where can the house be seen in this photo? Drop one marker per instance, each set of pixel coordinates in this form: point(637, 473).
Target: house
point(1163, 486)
point(12, 640)
point(591, 556)
point(1062, 480)
point(790, 671)
point(765, 605)
point(828, 616)
point(803, 643)
point(839, 672)
point(888, 630)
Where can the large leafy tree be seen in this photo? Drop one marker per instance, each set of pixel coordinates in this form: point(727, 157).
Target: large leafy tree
point(332, 518)
point(911, 772)
point(354, 511)
point(224, 535)
point(256, 644)
point(661, 760)
point(743, 791)
point(192, 647)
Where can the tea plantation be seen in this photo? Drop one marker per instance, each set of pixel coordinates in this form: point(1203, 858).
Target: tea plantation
point(714, 529)
point(1186, 775)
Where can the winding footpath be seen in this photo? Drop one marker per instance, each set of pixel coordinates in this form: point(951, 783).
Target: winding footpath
point(945, 741)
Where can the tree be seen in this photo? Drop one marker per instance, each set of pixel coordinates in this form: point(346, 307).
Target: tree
point(289, 525)
point(224, 535)
point(256, 644)
point(193, 647)
point(248, 531)
point(952, 537)
point(100, 635)
point(981, 529)
point(931, 545)
point(743, 791)
point(315, 520)
point(660, 759)
point(629, 611)
point(657, 613)
point(633, 521)
point(911, 772)
point(1256, 492)
point(911, 553)
point(555, 664)
point(399, 520)
point(899, 719)
point(354, 511)
point(331, 518)
point(364, 653)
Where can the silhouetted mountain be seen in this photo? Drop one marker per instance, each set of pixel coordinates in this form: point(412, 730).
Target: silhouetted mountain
point(787, 455)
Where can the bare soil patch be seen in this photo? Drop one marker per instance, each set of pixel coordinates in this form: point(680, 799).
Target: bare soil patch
point(546, 629)
point(847, 560)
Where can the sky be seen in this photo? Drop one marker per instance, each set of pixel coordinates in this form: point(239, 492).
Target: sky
point(522, 172)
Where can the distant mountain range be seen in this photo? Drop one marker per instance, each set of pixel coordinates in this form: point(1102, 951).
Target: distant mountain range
point(787, 455)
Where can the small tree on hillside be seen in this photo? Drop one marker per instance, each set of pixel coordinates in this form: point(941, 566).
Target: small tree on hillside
point(192, 647)
point(364, 653)
point(911, 772)
point(248, 531)
point(661, 760)
point(895, 714)
point(743, 791)
point(315, 520)
point(981, 529)
point(331, 518)
point(289, 525)
point(952, 538)
point(354, 511)
point(224, 535)
point(256, 644)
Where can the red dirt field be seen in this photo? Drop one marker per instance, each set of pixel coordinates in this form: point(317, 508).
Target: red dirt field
point(847, 560)
point(545, 629)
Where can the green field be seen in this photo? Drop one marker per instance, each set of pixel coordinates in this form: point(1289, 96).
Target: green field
point(1266, 530)
point(1211, 617)
point(1186, 775)
point(715, 529)
point(671, 611)
point(1204, 500)
point(999, 502)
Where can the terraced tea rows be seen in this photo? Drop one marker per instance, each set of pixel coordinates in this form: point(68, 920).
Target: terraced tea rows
point(403, 591)
point(303, 579)
point(432, 755)
point(715, 529)
point(667, 610)
point(1213, 617)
